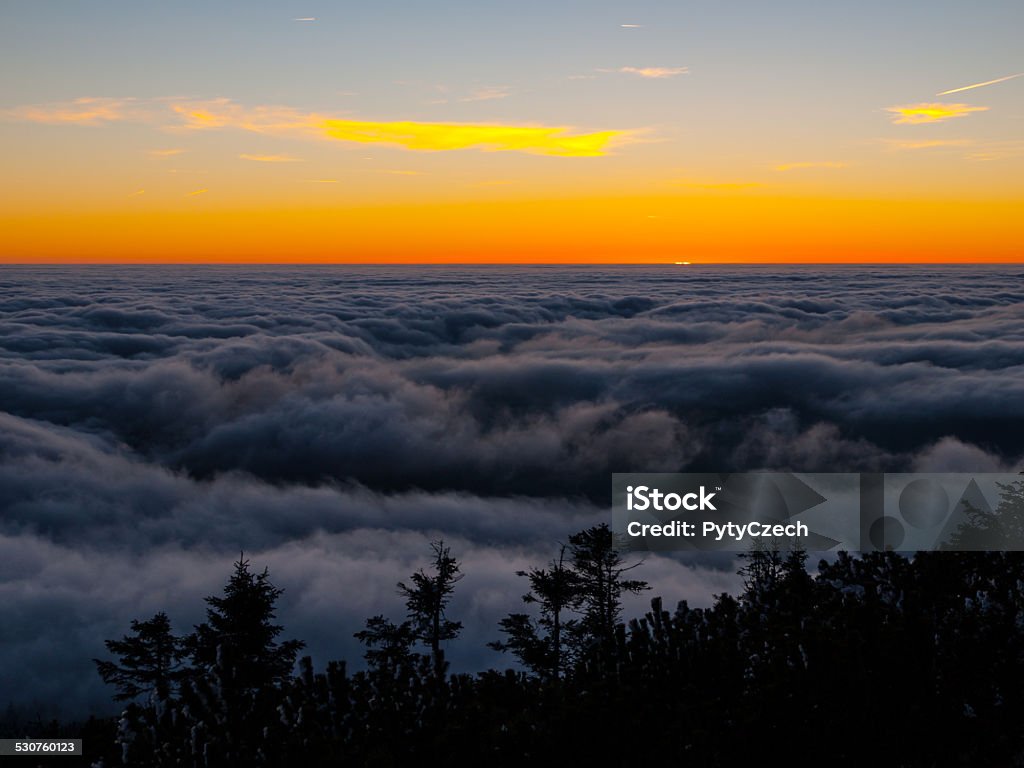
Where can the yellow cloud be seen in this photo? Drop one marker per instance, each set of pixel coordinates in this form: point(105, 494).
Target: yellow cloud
point(197, 192)
point(656, 72)
point(270, 158)
point(800, 166)
point(165, 152)
point(538, 140)
point(930, 112)
point(559, 141)
point(84, 111)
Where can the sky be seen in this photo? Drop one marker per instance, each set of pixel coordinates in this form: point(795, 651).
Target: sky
point(487, 132)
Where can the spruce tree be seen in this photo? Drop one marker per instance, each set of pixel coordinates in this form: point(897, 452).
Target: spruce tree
point(599, 573)
point(149, 660)
point(239, 633)
point(542, 645)
point(387, 644)
point(427, 602)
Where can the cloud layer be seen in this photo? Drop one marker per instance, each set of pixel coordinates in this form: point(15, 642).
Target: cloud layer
point(331, 421)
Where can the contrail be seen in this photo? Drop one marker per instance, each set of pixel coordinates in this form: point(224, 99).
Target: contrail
point(981, 85)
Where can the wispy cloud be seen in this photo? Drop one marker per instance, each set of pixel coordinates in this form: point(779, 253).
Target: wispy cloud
point(84, 111)
point(998, 150)
point(656, 72)
point(401, 173)
point(930, 112)
point(224, 113)
point(631, 26)
point(488, 94)
point(322, 181)
point(807, 165)
point(305, 18)
point(270, 158)
point(197, 192)
point(980, 85)
point(164, 152)
point(927, 143)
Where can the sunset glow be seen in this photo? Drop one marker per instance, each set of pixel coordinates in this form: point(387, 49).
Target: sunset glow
point(637, 143)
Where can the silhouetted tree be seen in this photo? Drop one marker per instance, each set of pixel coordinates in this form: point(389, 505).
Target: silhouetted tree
point(388, 644)
point(149, 660)
point(240, 632)
point(1001, 529)
point(763, 569)
point(427, 601)
point(542, 645)
point(599, 570)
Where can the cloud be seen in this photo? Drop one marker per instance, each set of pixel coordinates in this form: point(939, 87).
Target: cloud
point(270, 158)
point(488, 94)
point(631, 26)
point(980, 85)
point(165, 152)
point(997, 150)
point(83, 111)
point(154, 424)
point(222, 113)
point(928, 143)
point(305, 18)
point(829, 164)
point(540, 140)
point(197, 192)
point(930, 112)
point(656, 72)
point(434, 137)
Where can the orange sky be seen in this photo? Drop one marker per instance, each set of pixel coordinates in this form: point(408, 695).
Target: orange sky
point(629, 142)
point(632, 229)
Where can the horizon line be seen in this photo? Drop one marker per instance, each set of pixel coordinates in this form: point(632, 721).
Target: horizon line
point(191, 263)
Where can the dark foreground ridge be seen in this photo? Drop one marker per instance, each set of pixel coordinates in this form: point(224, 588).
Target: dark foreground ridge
point(882, 658)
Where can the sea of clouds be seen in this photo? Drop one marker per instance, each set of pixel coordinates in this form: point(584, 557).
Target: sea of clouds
point(332, 421)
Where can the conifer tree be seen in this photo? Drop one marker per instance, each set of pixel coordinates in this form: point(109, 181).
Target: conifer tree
point(427, 602)
point(149, 660)
point(599, 573)
point(239, 632)
point(387, 644)
point(542, 645)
